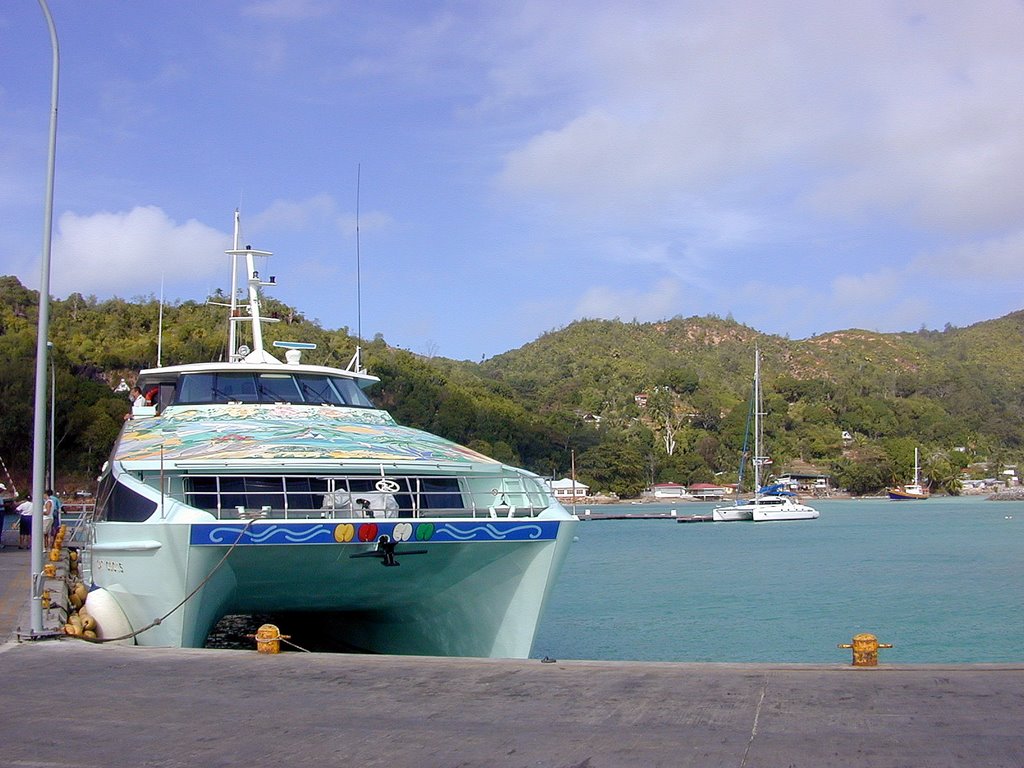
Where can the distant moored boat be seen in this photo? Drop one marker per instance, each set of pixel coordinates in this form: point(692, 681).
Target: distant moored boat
point(912, 491)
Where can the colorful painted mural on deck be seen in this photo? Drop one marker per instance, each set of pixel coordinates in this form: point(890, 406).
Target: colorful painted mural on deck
point(246, 432)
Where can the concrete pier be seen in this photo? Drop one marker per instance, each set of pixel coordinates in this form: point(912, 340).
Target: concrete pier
point(70, 703)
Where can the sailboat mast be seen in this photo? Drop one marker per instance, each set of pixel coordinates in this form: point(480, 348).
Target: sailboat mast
point(758, 458)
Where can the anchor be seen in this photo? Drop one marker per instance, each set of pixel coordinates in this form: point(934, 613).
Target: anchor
point(386, 551)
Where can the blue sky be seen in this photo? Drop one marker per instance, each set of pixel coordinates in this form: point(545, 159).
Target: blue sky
point(800, 166)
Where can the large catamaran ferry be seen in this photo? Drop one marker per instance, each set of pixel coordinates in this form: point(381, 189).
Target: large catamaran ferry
point(262, 486)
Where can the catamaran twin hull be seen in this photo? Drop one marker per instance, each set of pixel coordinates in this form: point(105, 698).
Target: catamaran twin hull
point(392, 539)
point(463, 588)
point(255, 485)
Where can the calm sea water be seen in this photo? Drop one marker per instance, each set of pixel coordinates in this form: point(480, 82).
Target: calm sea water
point(943, 580)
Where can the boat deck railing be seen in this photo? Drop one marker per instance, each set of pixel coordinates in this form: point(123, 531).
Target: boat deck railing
point(76, 516)
point(290, 497)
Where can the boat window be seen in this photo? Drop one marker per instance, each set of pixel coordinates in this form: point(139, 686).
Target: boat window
point(218, 388)
point(278, 388)
point(122, 505)
point(246, 387)
point(203, 493)
point(318, 389)
point(196, 388)
point(305, 492)
point(440, 493)
point(352, 393)
point(252, 492)
point(236, 387)
point(303, 496)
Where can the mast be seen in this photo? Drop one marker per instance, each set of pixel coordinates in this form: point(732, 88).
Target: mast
point(232, 345)
point(759, 460)
point(253, 282)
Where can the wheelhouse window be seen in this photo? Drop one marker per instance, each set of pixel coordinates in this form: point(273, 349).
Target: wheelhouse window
point(269, 388)
point(280, 388)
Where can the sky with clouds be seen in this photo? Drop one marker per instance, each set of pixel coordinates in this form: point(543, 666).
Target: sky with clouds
point(800, 166)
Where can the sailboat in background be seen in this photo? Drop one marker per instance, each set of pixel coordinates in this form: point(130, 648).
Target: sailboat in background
point(741, 509)
point(770, 503)
point(914, 491)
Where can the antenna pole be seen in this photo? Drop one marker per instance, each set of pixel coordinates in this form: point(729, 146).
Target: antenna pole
point(160, 325)
point(232, 346)
point(359, 280)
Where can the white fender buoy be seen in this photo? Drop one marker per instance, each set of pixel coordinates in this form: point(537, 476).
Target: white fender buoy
point(111, 620)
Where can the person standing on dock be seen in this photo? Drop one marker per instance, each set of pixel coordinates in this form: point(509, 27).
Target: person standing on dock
point(25, 523)
point(4, 501)
point(51, 510)
point(47, 520)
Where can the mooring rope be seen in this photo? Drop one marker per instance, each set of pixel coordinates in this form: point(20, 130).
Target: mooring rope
point(293, 645)
point(189, 596)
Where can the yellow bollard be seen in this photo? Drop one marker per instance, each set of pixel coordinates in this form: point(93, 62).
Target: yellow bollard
point(865, 649)
point(268, 639)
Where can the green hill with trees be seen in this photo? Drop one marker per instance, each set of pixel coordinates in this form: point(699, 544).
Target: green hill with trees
point(956, 393)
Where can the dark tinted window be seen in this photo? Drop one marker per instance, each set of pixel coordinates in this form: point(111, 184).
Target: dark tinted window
point(126, 506)
point(278, 388)
point(316, 389)
point(440, 493)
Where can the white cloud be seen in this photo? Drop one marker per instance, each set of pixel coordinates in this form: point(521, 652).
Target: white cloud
point(295, 214)
point(912, 110)
point(984, 260)
point(320, 212)
point(860, 161)
point(661, 301)
point(125, 253)
point(288, 10)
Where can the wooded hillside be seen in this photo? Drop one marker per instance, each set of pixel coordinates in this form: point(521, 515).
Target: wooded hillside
point(956, 393)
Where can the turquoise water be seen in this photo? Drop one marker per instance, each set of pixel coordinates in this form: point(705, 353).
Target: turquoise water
point(943, 580)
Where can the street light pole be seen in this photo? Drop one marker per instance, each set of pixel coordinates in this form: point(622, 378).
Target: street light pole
point(51, 477)
point(42, 332)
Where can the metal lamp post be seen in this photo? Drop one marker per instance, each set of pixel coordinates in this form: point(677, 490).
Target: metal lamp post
point(51, 476)
point(39, 429)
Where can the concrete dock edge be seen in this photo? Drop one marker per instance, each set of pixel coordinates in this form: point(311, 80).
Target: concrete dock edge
point(73, 703)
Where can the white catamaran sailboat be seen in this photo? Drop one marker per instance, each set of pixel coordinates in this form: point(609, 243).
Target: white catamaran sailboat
point(770, 503)
point(256, 486)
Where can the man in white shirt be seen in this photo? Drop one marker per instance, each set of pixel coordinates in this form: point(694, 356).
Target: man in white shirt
point(25, 524)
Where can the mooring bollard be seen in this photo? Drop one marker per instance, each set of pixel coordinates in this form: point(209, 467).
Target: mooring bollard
point(268, 639)
point(865, 649)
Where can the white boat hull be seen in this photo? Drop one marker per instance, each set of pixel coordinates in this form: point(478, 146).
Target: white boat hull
point(765, 509)
point(735, 513)
point(783, 512)
point(478, 590)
